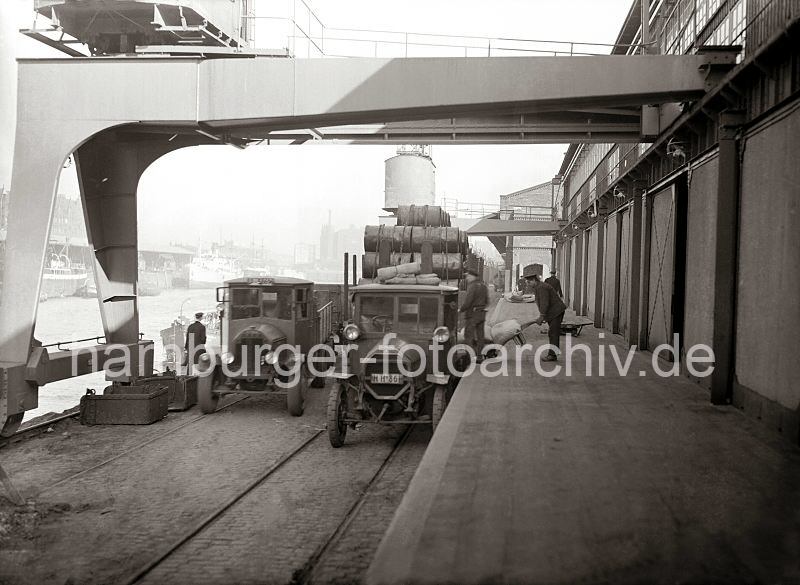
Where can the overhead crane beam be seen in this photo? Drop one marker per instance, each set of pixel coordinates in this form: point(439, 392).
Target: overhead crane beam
point(120, 114)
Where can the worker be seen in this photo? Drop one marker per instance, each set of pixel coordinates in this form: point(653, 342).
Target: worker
point(474, 309)
point(551, 310)
point(555, 283)
point(195, 345)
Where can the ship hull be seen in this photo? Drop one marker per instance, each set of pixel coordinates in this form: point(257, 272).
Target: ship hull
point(62, 285)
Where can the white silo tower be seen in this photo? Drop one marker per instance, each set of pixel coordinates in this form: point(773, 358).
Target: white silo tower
point(410, 178)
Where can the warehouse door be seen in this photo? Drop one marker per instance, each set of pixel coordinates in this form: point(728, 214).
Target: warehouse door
point(610, 291)
point(624, 271)
point(662, 268)
point(574, 278)
point(591, 272)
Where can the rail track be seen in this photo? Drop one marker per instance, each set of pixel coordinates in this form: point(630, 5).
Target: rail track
point(304, 574)
point(39, 428)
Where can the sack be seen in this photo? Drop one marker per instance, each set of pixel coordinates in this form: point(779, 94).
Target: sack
point(402, 280)
point(409, 268)
point(430, 279)
point(505, 331)
point(389, 272)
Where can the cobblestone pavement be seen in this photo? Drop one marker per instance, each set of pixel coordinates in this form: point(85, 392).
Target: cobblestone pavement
point(42, 460)
point(111, 521)
point(102, 526)
point(346, 561)
point(270, 534)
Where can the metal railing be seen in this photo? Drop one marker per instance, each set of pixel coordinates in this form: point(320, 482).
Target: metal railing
point(324, 322)
point(459, 209)
point(302, 33)
point(526, 212)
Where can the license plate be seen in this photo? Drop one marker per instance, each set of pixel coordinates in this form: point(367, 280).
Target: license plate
point(386, 378)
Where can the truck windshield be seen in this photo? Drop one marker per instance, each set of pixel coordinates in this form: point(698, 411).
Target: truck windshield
point(418, 314)
point(245, 303)
point(253, 301)
point(276, 303)
point(376, 314)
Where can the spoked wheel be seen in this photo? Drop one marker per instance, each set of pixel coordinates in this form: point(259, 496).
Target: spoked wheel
point(439, 405)
point(296, 395)
point(206, 383)
point(337, 412)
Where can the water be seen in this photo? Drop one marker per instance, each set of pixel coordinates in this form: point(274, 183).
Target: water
point(70, 318)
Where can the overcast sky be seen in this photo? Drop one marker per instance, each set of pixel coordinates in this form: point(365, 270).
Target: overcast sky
point(282, 193)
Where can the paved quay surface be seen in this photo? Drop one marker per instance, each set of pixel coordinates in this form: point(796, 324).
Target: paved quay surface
point(586, 480)
point(103, 502)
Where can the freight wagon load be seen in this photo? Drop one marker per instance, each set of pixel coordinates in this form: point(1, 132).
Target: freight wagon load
point(445, 266)
point(404, 239)
point(419, 227)
point(422, 215)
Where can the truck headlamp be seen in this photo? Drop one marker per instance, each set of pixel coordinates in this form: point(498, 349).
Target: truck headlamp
point(351, 332)
point(441, 334)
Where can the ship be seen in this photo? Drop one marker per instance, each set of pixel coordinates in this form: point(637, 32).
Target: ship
point(62, 277)
point(211, 270)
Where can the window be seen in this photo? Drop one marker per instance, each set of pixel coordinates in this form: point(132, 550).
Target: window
point(428, 314)
point(301, 303)
point(245, 303)
point(408, 314)
point(451, 313)
point(613, 165)
point(276, 303)
point(418, 314)
point(376, 314)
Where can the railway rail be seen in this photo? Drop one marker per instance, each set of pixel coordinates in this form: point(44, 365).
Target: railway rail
point(304, 574)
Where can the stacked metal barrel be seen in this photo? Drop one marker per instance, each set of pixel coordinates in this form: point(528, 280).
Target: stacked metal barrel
point(416, 226)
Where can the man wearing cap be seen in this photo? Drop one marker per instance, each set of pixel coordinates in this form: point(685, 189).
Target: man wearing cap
point(551, 309)
point(474, 309)
point(195, 342)
point(555, 283)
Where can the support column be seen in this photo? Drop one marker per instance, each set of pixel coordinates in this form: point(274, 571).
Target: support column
point(40, 150)
point(509, 263)
point(108, 174)
point(598, 287)
point(725, 257)
point(577, 303)
point(635, 269)
point(109, 168)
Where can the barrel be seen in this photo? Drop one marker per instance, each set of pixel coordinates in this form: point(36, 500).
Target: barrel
point(399, 236)
point(422, 215)
point(410, 239)
point(442, 239)
point(369, 262)
point(448, 266)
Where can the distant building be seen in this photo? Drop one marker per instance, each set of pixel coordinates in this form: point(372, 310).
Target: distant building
point(327, 242)
point(334, 243)
point(304, 254)
point(529, 203)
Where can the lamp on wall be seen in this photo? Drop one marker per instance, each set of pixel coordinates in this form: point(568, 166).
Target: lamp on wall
point(675, 149)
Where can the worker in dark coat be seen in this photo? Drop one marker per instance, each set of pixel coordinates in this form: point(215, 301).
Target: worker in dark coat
point(474, 309)
point(555, 283)
point(195, 345)
point(551, 310)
